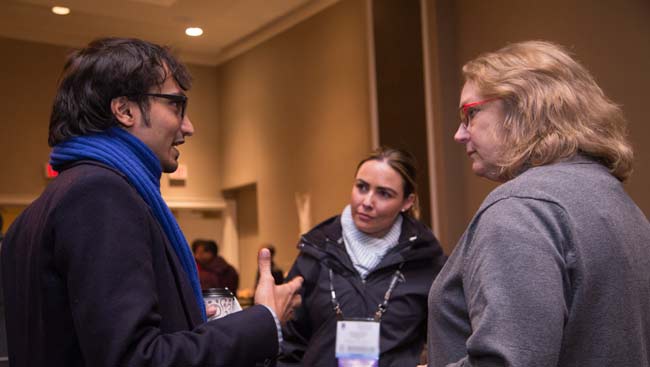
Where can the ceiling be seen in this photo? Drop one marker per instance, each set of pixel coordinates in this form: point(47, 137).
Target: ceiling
point(230, 26)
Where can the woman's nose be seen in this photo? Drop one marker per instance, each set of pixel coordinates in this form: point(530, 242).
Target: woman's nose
point(462, 135)
point(367, 200)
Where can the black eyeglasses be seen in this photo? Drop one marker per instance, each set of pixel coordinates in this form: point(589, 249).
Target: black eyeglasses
point(178, 99)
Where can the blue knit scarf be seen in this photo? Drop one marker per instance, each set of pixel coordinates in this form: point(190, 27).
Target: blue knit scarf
point(121, 150)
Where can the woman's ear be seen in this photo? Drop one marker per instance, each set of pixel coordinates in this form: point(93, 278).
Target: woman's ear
point(121, 109)
point(408, 202)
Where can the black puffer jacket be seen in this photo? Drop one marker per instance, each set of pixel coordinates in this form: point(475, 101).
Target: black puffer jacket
point(309, 339)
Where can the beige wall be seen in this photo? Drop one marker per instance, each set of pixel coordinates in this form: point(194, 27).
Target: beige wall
point(401, 102)
point(609, 37)
point(200, 152)
point(248, 230)
point(294, 116)
point(29, 73)
point(448, 156)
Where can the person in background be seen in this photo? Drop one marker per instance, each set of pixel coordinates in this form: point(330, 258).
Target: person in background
point(375, 260)
point(214, 271)
point(553, 268)
point(96, 271)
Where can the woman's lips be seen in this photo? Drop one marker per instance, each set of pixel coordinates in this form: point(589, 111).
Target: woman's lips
point(364, 217)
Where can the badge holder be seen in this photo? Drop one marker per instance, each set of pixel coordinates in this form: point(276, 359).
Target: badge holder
point(357, 342)
point(357, 339)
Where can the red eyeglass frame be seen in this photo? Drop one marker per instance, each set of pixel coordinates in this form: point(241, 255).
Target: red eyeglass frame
point(464, 121)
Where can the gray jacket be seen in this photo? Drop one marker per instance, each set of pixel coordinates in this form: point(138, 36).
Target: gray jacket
point(553, 270)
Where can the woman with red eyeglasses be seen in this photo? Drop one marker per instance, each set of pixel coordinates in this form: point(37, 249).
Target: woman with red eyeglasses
point(553, 268)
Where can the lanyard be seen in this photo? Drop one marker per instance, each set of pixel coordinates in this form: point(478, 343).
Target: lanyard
point(382, 307)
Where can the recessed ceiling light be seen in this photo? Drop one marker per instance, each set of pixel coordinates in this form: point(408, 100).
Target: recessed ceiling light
point(194, 31)
point(60, 10)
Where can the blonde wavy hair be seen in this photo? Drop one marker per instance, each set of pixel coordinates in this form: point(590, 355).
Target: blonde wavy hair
point(554, 109)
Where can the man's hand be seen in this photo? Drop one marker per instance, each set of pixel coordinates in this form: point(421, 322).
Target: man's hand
point(210, 311)
point(282, 299)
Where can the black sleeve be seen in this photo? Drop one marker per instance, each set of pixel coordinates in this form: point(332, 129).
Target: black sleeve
point(104, 251)
point(297, 331)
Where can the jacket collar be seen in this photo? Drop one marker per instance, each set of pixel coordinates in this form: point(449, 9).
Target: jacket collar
point(324, 242)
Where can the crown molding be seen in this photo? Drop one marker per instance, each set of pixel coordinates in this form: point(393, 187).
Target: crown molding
point(270, 30)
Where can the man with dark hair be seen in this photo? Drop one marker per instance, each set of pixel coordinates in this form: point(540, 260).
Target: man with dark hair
point(214, 270)
point(96, 272)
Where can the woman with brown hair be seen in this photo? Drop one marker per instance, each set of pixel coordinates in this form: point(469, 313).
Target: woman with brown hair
point(376, 262)
point(553, 268)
